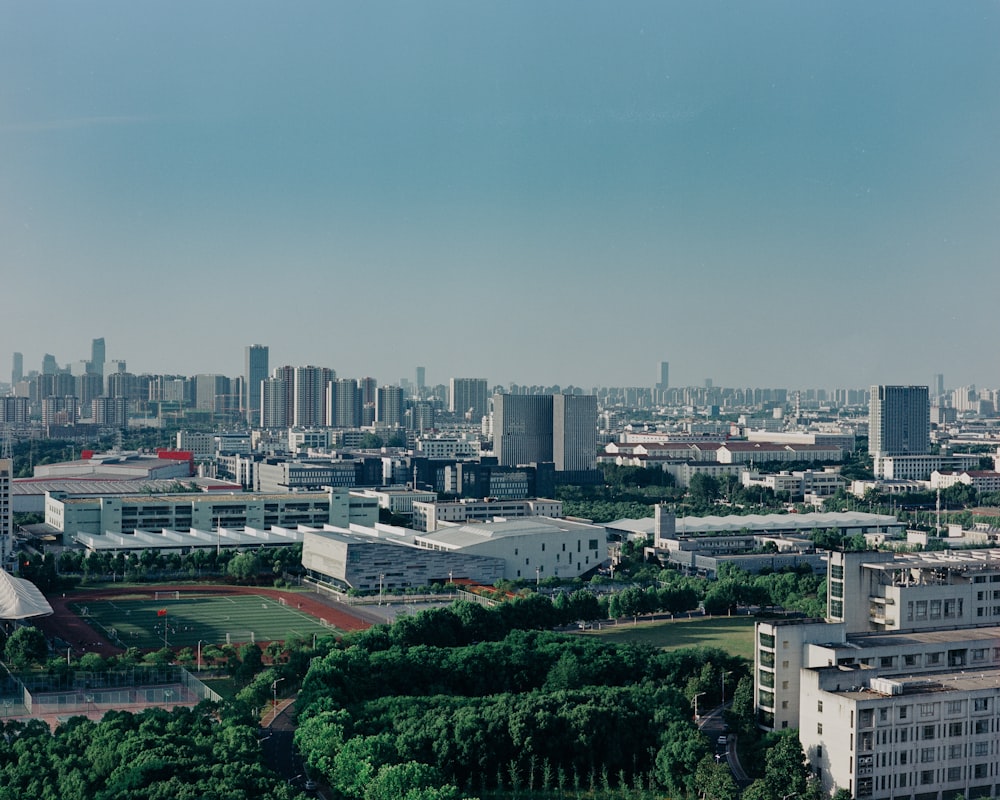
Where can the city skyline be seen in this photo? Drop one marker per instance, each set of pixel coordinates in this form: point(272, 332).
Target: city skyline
point(773, 194)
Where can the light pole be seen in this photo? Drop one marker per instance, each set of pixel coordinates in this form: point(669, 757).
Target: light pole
point(696, 708)
point(724, 674)
point(199, 653)
point(538, 575)
point(381, 577)
point(274, 690)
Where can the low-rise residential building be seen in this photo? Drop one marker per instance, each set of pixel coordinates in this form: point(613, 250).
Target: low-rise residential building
point(980, 480)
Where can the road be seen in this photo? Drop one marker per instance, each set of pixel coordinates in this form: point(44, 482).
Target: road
point(713, 725)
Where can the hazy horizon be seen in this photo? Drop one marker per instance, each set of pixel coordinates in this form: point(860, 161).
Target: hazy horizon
point(764, 194)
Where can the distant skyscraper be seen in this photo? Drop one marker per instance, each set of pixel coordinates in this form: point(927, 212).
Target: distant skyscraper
point(274, 403)
point(468, 397)
point(97, 356)
point(389, 406)
point(308, 410)
point(522, 428)
point(255, 370)
point(938, 389)
point(17, 370)
point(49, 366)
point(346, 403)
point(421, 373)
point(899, 421)
point(664, 375)
point(574, 431)
point(111, 411)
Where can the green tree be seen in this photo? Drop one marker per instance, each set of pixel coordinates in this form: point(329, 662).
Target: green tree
point(26, 646)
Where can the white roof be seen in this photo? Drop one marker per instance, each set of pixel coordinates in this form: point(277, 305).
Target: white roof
point(20, 599)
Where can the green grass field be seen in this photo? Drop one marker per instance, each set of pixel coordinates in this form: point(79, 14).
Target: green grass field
point(732, 634)
point(212, 619)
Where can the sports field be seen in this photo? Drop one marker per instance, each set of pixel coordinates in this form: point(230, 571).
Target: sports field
point(732, 634)
point(211, 619)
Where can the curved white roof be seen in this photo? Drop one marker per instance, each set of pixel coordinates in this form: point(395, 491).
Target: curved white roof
point(21, 599)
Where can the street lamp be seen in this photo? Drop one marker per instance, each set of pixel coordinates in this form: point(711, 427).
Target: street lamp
point(274, 690)
point(381, 577)
point(724, 674)
point(696, 709)
point(200, 641)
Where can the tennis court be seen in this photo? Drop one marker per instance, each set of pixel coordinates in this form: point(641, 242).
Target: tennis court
point(174, 619)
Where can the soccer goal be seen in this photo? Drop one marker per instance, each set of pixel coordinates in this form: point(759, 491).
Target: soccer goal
point(175, 595)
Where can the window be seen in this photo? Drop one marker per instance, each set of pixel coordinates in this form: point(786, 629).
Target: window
point(954, 774)
point(953, 707)
point(819, 727)
point(887, 661)
point(979, 654)
point(955, 728)
point(981, 726)
point(819, 706)
point(980, 771)
point(927, 733)
point(981, 704)
point(921, 609)
point(883, 715)
point(926, 755)
point(927, 709)
point(982, 748)
point(926, 777)
point(955, 751)
point(902, 759)
point(910, 660)
point(592, 545)
point(933, 658)
point(904, 712)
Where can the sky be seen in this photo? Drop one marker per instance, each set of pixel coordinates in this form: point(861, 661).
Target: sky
point(765, 193)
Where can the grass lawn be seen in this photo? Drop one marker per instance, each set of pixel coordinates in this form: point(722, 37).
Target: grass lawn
point(213, 619)
point(732, 634)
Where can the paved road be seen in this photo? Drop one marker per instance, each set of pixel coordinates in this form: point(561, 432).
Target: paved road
point(713, 725)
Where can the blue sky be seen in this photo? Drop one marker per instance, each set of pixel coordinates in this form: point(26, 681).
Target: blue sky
point(764, 193)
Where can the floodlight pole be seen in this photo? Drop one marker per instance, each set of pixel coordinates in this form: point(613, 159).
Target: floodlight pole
point(199, 654)
point(274, 689)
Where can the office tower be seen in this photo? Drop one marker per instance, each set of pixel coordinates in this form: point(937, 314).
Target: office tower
point(17, 369)
point(938, 391)
point(522, 428)
point(664, 375)
point(346, 403)
point(273, 411)
point(49, 366)
point(6, 510)
point(574, 431)
point(97, 356)
point(58, 384)
point(389, 406)
point(87, 387)
point(421, 384)
point(255, 369)
point(899, 421)
point(309, 396)
point(468, 398)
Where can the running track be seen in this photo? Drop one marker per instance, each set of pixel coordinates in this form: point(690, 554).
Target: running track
point(65, 624)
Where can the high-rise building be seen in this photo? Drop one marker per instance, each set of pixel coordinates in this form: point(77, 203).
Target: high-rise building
point(369, 388)
point(522, 428)
point(255, 369)
point(60, 410)
point(17, 369)
point(97, 357)
point(938, 389)
point(468, 398)
point(346, 403)
point(212, 393)
point(14, 410)
point(664, 375)
point(899, 421)
point(574, 431)
point(6, 510)
point(110, 411)
point(273, 403)
point(49, 365)
point(309, 406)
point(421, 381)
point(389, 406)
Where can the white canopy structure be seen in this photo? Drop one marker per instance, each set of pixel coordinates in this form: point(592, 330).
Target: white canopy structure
point(21, 599)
